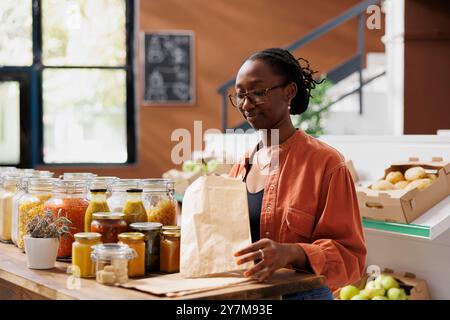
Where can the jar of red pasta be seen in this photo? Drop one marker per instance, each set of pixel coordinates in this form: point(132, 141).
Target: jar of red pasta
point(69, 200)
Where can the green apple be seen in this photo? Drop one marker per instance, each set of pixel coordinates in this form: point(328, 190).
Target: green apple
point(348, 292)
point(386, 281)
point(188, 166)
point(380, 298)
point(212, 165)
point(373, 289)
point(360, 296)
point(396, 294)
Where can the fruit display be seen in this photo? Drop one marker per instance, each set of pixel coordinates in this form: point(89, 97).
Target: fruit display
point(384, 287)
point(414, 177)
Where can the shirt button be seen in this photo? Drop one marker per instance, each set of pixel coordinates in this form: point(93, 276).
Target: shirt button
point(268, 209)
point(267, 234)
point(272, 187)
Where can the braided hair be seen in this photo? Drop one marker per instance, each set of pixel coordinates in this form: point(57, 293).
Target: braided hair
point(283, 63)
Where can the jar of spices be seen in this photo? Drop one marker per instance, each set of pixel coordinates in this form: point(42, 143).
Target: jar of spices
point(158, 197)
point(111, 262)
point(152, 231)
point(118, 196)
point(170, 249)
point(69, 200)
point(82, 265)
point(134, 209)
point(31, 204)
point(97, 203)
point(135, 240)
point(109, 225)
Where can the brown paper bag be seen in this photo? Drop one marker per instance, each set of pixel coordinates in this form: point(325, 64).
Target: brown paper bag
point(215, 225)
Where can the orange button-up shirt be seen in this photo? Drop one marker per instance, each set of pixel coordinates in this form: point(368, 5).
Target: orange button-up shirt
point(310, 199)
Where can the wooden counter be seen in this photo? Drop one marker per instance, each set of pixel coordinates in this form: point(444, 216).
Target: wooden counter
point(17, 281)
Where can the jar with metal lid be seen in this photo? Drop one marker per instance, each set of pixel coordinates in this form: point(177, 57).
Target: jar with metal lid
point(119, 193)
point(97, 203)
point(159, 201)
point(152, 231)
point(31, 204)
point(82, 265)
point(134, 209)
point(7, 192)
point(109, 225)
point(170, 249)
point(69, 200)
point(111, 262)
point(135, 240)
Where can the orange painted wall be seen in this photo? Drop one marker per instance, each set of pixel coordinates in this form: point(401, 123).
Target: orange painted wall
point(427, 66)
point(227, 31)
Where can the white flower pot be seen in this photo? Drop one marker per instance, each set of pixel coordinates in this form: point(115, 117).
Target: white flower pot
point(41, 252)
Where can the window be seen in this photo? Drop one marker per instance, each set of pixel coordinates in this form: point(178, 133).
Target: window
point(81, 98)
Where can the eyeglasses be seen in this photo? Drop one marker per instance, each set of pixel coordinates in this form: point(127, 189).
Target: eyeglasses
point(257, 96)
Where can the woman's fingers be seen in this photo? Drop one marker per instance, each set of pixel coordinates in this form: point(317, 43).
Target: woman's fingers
point(264, 274)
point(251, 248)
point(255, 269)
point(255, 255)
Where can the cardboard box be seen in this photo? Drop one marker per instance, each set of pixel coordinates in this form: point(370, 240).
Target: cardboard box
point(404, 206)
point(352, 170)
point(416, 289)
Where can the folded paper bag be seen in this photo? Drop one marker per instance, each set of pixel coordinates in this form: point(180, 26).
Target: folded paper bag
point(215, 224)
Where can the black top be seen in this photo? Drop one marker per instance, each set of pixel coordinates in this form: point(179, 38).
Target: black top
point(254, 210)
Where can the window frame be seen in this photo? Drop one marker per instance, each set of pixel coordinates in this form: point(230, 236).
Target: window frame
point(31, 94)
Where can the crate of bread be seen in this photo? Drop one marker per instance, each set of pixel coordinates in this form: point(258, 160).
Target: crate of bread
point(406, 190)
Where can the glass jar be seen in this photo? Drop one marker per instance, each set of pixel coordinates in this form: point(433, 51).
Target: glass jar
point(109, 225)
point(134, 209)
point(111, 262)
point(31, 204)
point(96, 204)
point(69, 198)
point(78, 176)
point(119, 193)
point(82, 265)
point(9, 187)
point(152, 231)
point(22, 189)
point(103, 182)
point(170, 249)
point(135, 240)
point(158, 197)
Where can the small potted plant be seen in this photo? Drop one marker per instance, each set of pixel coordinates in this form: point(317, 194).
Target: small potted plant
point(42, 239)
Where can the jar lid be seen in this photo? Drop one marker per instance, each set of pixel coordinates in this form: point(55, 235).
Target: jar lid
point(134, 190)
point(87, 235)
point(172, 233)
point(146, 226)
point(108, 215)
point(112, 251)
point(131, 236)
point(171, 228)
point(98, 190)
point(78, 176)
point(158, 184)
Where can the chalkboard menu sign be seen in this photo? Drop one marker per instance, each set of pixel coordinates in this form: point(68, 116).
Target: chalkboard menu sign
point(169, 68)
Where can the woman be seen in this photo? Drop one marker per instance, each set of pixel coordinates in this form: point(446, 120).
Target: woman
point(302, 200)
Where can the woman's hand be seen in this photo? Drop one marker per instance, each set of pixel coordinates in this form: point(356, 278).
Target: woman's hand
point(272, 255)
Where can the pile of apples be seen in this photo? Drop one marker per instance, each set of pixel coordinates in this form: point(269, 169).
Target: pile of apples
point(384, 287)
point(192, 166)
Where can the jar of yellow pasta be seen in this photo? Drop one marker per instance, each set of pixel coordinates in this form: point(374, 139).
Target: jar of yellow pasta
point(8, 189)
point(158, 197)
point(31, 204)
point(82, 265)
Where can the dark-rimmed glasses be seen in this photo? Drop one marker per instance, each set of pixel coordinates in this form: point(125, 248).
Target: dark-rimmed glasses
point(256, 96)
